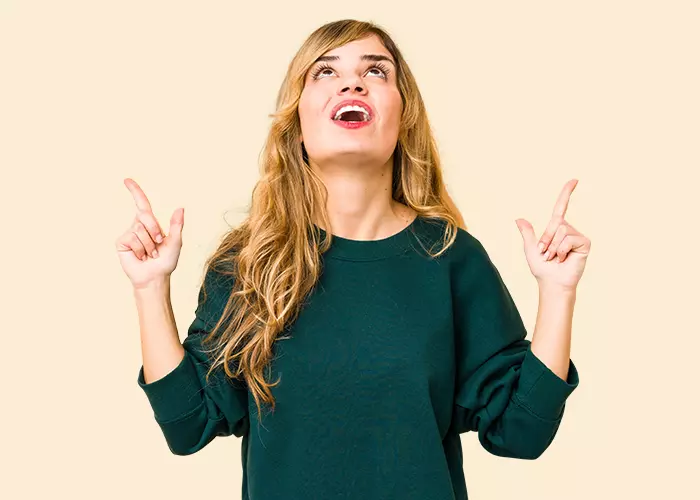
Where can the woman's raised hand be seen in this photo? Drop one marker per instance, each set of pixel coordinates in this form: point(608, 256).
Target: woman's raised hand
point(146, 254)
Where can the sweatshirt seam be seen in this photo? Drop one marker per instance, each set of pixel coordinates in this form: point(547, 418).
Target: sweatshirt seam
point(182, 416)
point(521, 403)
point(533, 384)
point(383, 257)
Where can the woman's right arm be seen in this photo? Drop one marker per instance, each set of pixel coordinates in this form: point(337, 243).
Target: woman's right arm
point(161, 349)
point(189, 410)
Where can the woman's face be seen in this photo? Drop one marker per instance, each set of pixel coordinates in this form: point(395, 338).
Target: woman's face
point(362, 71)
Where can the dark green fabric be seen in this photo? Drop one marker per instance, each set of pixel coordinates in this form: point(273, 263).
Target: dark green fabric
point(393, 357)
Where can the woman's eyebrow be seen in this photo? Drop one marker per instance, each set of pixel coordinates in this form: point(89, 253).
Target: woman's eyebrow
point(364, 57)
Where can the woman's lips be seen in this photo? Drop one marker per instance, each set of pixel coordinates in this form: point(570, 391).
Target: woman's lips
point(352, 124)
point(352, 102)
point(349, 124)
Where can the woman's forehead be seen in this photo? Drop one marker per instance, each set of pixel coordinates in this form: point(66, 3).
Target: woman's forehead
point(358, 48)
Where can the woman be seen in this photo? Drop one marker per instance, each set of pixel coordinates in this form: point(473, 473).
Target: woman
point(352, 302)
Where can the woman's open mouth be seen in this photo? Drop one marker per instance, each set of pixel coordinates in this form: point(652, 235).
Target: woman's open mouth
point(352, 115)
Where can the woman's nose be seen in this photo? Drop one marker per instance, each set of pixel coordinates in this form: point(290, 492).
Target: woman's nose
point(355, 84)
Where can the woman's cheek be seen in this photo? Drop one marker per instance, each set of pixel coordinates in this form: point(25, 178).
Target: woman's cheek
point(395, 116)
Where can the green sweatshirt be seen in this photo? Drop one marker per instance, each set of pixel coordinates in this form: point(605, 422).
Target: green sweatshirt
point(393, 357)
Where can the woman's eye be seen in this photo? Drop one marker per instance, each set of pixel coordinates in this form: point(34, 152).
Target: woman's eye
point(324, 71)
point(318, 72)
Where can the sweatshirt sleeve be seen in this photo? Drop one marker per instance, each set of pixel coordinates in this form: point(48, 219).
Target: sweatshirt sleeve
point(503, 391)
point(190, 412)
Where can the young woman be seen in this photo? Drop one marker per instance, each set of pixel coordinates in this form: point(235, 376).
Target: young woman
point(351, 328)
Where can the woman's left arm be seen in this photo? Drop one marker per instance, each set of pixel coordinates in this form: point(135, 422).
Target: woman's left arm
point(551, 338)
point(557, 261)
point(513, 391)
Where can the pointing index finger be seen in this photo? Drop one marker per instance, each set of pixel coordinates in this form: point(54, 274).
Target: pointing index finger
point(139, 196)
point(563, 201)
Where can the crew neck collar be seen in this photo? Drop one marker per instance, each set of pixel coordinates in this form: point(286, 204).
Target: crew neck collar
point(364, 250)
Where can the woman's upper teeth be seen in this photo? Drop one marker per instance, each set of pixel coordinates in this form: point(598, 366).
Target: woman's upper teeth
point(351, 108)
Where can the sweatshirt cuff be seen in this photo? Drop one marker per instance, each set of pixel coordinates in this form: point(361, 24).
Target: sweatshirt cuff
point(176, 394)
point(541, 390)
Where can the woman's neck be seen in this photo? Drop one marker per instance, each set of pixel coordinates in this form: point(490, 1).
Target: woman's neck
point(360, 204)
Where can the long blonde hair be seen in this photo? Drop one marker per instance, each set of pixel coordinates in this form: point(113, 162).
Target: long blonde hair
point(274, 254)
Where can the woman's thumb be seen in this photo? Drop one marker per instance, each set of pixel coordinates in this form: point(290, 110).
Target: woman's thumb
point(527, 232)
point(177, 221)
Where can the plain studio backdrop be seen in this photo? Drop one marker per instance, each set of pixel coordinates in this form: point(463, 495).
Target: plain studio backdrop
point(523, 96)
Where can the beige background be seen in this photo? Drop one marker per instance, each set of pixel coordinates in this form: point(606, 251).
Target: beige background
point(522, 95)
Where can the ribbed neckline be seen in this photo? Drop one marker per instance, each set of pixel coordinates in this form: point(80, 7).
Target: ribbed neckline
point(364, 250)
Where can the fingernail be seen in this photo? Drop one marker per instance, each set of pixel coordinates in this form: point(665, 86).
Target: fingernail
point(546, 256)
point(144, 258)
point(155, 254)
point(541, 247)
point(159, 239)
